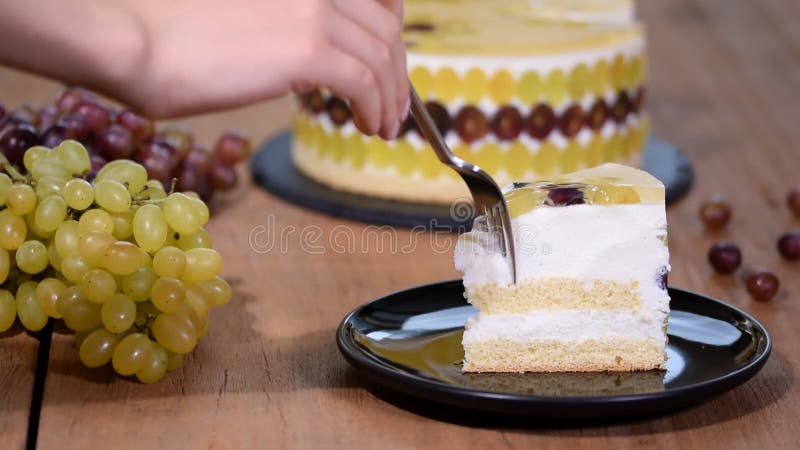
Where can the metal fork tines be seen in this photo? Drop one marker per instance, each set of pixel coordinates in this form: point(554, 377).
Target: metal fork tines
point(486, 195)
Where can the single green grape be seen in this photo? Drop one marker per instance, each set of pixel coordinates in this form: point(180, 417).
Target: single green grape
point(49, 186)
point(180, 212)
point(30, 314)
point(112, 195)
point(169, 262)
point(8, 310)
point(73, 267)
point(50, 213)
point(34, 231)
point(98, 285)
point(154, 190)
point(217, 291)
point(79, 313)
point(78, 193)
point(118, 313)
point(131, 354)
point(138, 284)
point(96, 220)
point(73, 156)
point(174, 332)
point(149, 228)
point(66, 238)
point(123, 258)
point(167, 294)
point(5, 184)
point(32, 155)
point(201, 210)
point(31, 257)
point(155, 367)
point(202, 264)
point(123, 224)
point(196, 300)
point(128, 173)
point(21, 199)
point(201, 239)
point(13, 230)
point(92, 246)
point(47, 293)
point(96, 348)
point(67, 298)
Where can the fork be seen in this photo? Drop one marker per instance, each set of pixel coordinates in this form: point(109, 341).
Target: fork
point(486, 195)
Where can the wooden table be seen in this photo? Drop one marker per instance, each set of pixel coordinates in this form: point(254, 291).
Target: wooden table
point(724, 82)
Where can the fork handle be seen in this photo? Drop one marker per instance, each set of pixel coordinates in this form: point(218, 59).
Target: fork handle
point(429, 129)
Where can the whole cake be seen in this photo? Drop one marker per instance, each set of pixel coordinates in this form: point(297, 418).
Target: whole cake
point(592, 261)
point(523, 97)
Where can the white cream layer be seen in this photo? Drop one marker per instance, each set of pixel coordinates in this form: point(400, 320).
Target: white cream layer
point(567, 326)
point(519, 65)
point(614, 242)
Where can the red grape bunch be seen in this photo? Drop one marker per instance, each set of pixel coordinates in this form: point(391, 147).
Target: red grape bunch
point(111, 134)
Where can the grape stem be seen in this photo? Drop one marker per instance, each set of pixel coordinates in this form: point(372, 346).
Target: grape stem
point(11, 170)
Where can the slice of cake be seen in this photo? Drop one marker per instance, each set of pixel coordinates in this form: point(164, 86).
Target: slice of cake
point(592, 259)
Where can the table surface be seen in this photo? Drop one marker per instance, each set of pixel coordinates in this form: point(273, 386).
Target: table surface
point(724, 78)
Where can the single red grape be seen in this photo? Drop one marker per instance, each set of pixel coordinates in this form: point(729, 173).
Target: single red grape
point(571, 121)
point(762, 285)
point(789, 245)
point(621, 108)
point(190, 180)
point(338, 110)
point(715, 214)
point(114, 142)
point(199, 159)
point(541, 121)
point(597, 115)
point(157, 158)
point(96, 115)
point(231, 148)
point(141, 128)
point(793, 200)
point(70, 97)
point(16, 140)
point(725, 257)
point(564, 196)
point(471, 124)
point(507, 123)
point(221, 176)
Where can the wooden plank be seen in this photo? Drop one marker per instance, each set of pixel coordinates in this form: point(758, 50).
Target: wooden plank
point(18, 351)
point(723, 79)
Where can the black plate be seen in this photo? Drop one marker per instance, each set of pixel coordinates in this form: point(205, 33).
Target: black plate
point(272, 169)
point(409, 343)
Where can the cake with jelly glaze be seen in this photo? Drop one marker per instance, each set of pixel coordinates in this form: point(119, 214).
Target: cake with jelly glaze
point(520, 96)
point(592, 260)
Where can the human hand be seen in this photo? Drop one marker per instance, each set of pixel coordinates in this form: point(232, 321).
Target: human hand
point(203, 55)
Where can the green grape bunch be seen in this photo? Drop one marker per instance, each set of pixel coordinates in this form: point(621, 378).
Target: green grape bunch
point(123, 262)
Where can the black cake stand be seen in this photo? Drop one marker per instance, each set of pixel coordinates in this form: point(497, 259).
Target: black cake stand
point(273, 170)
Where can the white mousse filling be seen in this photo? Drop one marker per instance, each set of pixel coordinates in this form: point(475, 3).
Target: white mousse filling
point(568, 325)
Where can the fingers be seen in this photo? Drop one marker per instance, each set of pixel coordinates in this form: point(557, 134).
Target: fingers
point(383, 19)
point(347, 77)
point(375, 54)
